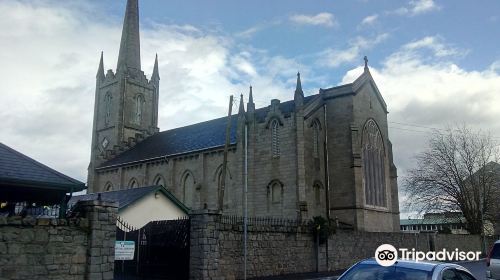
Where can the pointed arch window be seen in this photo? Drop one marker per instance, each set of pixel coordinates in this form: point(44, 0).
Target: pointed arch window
point(317, 193)
point(158, 181)
point(188, 189)
point(276, 192)
point(107, 108)
point(373, 158)
point(139, 107)
point(133, 183)
point(226, 188)
point(275, 136)
point(108, 187)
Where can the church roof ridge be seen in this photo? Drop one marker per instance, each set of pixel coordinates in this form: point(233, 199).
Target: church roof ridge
point(127, 197)
point(190, 138)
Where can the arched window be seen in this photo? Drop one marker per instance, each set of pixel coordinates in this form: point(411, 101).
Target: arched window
point(108, 187)
point(275, 138)
point(133, 183)
point(373, 157)
point(188, 189)
point(316, 129)
point(158, 181)
point(275, 192)
point(226, 188)
point(139, 104)
point(107, 108)
point(317, 188)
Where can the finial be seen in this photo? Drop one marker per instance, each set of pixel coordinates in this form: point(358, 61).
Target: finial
point(366, 62)
point(241, 110)
point(298, 88)
point(100, 70)
point(250, 95)
point(156, 75)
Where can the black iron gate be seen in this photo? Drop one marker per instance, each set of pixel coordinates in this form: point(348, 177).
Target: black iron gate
point(161, 250)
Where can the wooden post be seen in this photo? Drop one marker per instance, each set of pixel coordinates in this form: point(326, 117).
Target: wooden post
point(224, 162)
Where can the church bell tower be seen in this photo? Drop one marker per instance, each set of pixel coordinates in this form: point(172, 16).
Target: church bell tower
point(126, 102)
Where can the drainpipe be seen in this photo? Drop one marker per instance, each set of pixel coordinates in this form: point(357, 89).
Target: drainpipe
point(327, 178)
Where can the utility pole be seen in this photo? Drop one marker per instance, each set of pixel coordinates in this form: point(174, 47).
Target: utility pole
point(245, 205)
point(224, 161)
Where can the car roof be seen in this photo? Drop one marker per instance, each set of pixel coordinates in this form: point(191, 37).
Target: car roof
point(421, 265)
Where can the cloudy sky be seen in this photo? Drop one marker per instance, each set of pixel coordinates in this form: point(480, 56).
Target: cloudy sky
point(435, 62)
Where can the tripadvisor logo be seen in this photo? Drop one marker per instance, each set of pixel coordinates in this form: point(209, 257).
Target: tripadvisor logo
point(387, 255)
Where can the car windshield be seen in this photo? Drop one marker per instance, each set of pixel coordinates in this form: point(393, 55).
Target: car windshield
point(377, 272)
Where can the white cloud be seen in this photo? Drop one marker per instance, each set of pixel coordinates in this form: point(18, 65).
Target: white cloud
point(337, 57)
point(436, 45)
point(425, 92)
point(250, 32)
point(432, 94)
point(417, 7)
point(321, 19)
point(369, 20)
point(50, 55)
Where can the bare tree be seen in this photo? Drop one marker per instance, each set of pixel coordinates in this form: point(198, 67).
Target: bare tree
point(457, 172)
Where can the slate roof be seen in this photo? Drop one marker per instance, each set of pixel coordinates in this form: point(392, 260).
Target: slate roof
point(433, 221)
point(127, 197)
point(191, 138)
point(20, 170)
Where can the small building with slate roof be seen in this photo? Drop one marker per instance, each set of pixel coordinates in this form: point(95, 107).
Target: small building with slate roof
point(23, 179)
point(139, 206)
point(446, 222)
point(326, 154)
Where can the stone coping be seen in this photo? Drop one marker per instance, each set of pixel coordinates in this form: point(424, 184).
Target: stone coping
point(33, 221)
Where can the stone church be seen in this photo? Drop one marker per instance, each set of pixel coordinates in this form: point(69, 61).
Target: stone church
point(326, 154)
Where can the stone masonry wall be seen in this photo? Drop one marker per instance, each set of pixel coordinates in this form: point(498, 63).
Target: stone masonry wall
point(346, 248)
point(217, 248)
point(280, 247)
point(74, 248)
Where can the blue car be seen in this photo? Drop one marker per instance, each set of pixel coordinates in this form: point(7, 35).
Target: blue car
point(406, 270)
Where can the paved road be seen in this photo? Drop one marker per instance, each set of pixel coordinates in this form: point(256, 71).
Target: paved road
point(477, 268)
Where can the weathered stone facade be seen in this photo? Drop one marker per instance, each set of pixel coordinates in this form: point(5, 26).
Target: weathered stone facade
point(278, 247)
point(75, 248)
point(305, 156)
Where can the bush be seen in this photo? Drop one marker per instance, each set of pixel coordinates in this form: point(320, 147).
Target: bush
point(320, 225)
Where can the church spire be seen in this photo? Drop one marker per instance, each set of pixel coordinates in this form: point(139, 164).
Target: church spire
point(298, 87)
point(130, 56)
point(250, 104)
point(156, 75)
point(250, 96)
point(241, 109)
point(299, 94)
point(100, 70)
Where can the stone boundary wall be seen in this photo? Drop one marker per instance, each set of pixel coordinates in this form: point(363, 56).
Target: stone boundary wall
point(73, 248)
point(346, 248)
point(217, 249)
point(274, 249)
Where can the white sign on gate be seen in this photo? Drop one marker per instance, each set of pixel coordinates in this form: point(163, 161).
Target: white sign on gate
point(124, 250)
